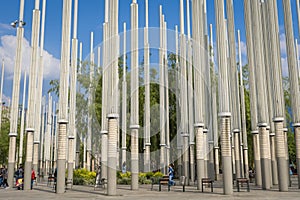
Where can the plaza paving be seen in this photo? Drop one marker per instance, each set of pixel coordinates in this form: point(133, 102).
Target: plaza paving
point(44, 192)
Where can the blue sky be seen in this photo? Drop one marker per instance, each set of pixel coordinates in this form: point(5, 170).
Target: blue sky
point(91, 17)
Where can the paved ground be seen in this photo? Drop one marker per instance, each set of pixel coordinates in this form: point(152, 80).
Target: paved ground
point(41, 191)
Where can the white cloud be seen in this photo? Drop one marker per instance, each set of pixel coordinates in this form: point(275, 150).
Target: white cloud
point(285, 69)
point(8, 51)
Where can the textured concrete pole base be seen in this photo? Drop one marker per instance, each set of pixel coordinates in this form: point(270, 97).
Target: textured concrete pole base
point(258, 179)
point(192, 164)
point(298, 165)
point(112, 177)
point(227, 175)
point(70, 173)
point(134, 175)
point(200, 172)
point(60, 184)
point(274, 172)
point(27, 176)
point(147, 159)
point(35, 157)
point(11, 169)
point(282, 177)
point(217, 167)
point(246, 164)
point(265, 174)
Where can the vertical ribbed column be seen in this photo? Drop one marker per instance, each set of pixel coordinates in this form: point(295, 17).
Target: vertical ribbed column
point(15, 98)
point(214, 105)
point(224, 112)
point(90, 105)
point(190, 95)
point(293, 71)
point(37, 139)
point(297, 138)
point(22, 122)
point(243, 112)
point(41, 157)
point(179, 138)
point(112, 154)
point(124, 101)
point(162, 123)
point(63, 96)
point(252, 86)
point(134, 110)
point(147, 92)
point(233, 83)
point(205, 145)
point(183, 95)
point(261, 92)
point(73, 80)
point(198, 43)
point(48, 138)
point(30, 126)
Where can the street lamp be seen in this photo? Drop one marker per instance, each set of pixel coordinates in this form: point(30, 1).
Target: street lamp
point(21, 23)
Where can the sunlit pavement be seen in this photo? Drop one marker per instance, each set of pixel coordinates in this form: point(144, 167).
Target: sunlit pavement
point(42, 191)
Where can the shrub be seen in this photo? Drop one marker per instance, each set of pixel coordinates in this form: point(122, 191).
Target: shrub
point(84, 177)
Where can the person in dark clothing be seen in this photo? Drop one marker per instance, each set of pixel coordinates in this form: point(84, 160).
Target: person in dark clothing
point(171, 174)
point(5, 176)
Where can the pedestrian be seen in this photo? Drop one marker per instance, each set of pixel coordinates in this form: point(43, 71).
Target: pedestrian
point(5, 176)
point(32, 177)
point(171, 174)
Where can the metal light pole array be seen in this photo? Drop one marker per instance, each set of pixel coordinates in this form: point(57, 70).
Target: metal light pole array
point(294, 87)
point(39, 88)
point(198, 45)
point(124, 101)
point(252, 87)
point(233, 84)
point(63, 96)
point(147, 91)
point(30, 126)
point(15, 97)
point(162, 95)
point(22, 122)
point(73, 80)
point(224, 111)
point(134, 110)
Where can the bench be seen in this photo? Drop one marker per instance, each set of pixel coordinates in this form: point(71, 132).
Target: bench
point(164, 181)
point(102, 182)
point(182, 182)
point(51, 179)
point(208, 182)
point(240, 181)
point(69, 182)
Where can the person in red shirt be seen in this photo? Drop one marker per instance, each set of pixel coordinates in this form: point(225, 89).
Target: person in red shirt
point(32, 177)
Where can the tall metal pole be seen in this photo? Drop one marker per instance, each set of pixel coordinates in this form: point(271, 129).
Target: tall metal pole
point(162, 96)
point(261, 94)
point(147, 91)
point(214, 106)
point(198, 44)
point(124, 101)
point(294, 83)
point(38, 106)
point(183, 95)
point(22, 122)
point(48, 149)
point(252, 87)
point(73, 80)
point(90, 103)
point(113, 93)
point(190, 94)
point(233, 84)
point(224, 112)
point(63, 96)
point(1, 92)
point(105, 74)
point(134, 109)
point(15, 98)
point(30, 126)
point(243, 111)
point(41, 156)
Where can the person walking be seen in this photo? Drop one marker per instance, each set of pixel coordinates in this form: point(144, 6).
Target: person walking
point(5, 176)
point(32, 177)
point(171, 174)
